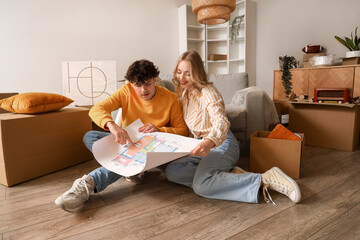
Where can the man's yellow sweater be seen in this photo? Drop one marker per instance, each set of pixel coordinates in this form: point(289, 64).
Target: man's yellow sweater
point(163, 110)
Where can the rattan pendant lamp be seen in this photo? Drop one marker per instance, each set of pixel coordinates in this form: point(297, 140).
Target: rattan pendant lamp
point(213, 12)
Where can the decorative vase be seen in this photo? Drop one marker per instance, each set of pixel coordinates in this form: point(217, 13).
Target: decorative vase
point(352, 54)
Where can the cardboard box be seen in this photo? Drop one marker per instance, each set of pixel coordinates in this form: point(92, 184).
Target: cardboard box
point(351, 61)
point(327, 125)
point(215, 57)
point(266, 153)
point(5, 95)
point(307, 56)
point(33, 145)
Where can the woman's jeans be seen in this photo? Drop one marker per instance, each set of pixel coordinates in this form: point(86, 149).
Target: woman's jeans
point(209, 176)
point(102, 177)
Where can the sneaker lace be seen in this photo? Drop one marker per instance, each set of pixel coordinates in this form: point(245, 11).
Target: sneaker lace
point(284, 189)
point(79, 186)
point(267, 195)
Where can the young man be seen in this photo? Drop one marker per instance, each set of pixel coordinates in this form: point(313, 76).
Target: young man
point(158, 108)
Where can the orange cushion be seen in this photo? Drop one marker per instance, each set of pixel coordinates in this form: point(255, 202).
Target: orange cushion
point(34, 102)
point(281, 132)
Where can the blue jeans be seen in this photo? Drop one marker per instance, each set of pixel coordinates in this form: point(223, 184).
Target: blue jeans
point(209, 176)
point(102, 177)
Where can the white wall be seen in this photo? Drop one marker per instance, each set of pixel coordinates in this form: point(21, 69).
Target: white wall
point(284, 27)
point(37, 35)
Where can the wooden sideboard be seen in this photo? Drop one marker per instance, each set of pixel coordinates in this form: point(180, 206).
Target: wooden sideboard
point(305, 80)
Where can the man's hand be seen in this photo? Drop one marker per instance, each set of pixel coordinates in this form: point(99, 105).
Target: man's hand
point(148, 128)
point(121, 136)
point(203, 148)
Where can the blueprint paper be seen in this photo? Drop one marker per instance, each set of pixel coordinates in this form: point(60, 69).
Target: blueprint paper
point(150, 150)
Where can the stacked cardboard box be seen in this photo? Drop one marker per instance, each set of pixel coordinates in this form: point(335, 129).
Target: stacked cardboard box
point(33, 145)
point(327, 125)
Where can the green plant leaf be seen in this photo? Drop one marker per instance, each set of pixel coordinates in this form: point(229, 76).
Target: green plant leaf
point(356, 31)
point(235, 26)
point(357, 41)
point(342, 42)
point(350, 43)
point(287, 62)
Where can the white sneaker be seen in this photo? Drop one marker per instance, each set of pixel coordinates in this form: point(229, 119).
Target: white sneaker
point(73, 199)
point(277, 180)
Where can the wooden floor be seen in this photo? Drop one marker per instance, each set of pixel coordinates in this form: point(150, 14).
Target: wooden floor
point(157, 209)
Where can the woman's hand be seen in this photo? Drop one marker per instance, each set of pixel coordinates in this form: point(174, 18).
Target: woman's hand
point(148, 128)
point(203, 148)
point(121, 136)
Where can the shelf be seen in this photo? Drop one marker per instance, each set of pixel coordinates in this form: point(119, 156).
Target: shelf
point(214, 39)
point(224, 40)
point(217, 40)
point(216, 61)
point(195, 40)
point(236, 60)
point(217, 28)
point(196, 27)
point(237, 39)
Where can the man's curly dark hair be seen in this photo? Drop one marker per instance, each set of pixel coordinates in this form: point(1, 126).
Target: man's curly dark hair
point(141, 71)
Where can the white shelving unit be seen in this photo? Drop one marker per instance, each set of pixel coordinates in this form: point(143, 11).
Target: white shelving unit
point(191, 33)
point(214, 39)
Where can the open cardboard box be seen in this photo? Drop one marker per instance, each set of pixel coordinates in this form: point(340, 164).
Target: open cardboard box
point(329, 125)
point(33, 145)
point(266, 153)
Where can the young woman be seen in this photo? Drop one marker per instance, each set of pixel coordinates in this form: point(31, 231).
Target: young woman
point(207, 169)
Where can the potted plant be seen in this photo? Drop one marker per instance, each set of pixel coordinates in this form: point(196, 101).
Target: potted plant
point(351, 44)
point(287, 63)
point(235, 26)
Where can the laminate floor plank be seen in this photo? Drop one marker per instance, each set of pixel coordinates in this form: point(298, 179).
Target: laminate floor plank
point(154, 222)
point(158, 209)
point(303, 220)
point(344, 227)
point(343, 195)
point(226, 223)
point(13, 205)
point(40, 214)
point(43, 184)
point(315, 180)
point(297, 222)
point(84, 221)
point(2, 192)
point(63, 177)
point(45, 212)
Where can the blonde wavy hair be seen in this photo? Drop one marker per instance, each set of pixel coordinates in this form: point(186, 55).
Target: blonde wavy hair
point(197, 71)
